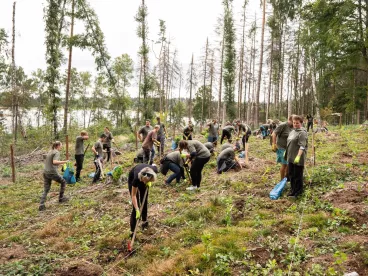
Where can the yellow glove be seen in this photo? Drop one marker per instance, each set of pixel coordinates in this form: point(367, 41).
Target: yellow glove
point(274, 147)
point(137, 214)
point(183, 155)
point(149, 184)
point(297, 159)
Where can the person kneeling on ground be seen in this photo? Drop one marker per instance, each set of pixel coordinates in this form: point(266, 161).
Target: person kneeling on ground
point(296, 149)
point(50, 173)
point(201, 156)
point(210, 146)
point(140, 178)
point(140, 156)
point(227, 160)
point(173, 162)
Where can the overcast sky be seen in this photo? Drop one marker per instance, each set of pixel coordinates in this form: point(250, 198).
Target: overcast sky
point(188, 24)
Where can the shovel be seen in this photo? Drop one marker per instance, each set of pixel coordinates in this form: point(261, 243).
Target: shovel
point(131, 242)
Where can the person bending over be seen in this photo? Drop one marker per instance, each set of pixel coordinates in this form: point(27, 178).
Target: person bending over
point(279, 142)
point(199, 156)
point(140, 178)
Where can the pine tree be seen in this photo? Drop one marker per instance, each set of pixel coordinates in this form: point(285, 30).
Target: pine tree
point(230, 60)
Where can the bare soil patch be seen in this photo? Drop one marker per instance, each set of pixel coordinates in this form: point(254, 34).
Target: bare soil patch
point(82, 268)
point(352, 200)
point(16, 252)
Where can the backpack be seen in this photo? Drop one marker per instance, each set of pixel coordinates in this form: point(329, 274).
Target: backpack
point(69, 174)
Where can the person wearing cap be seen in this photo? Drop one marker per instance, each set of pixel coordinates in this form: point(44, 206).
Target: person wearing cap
point(98, 151)
point(227, 131)
point(227, 160)
point(213, 131)
point(140, 178)
point(147, 144)
point(199, 155)
point(174, 162)
point(187, 132)
point(245, 130)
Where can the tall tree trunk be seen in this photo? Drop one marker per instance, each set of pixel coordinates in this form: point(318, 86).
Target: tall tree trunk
point(269, 80)
point(69, 74)
point(212, 71)
point(241, 65)
point(256, 119)
point(191, 87)
point(220, 79)
point(13, 76)
point(167, 76)
point(282, 48)
point(315, 98)
point(249, 105)
point(139, 91)
point(204, 83)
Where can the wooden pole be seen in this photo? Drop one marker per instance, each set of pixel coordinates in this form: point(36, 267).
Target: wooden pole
point(340, 120)
point(67, 147)
point(12, 162)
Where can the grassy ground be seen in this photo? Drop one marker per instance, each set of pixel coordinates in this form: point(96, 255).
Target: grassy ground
point(230, 227)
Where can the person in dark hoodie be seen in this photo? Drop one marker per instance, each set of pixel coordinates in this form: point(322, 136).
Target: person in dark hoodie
point(140, 178)
point(296, 151)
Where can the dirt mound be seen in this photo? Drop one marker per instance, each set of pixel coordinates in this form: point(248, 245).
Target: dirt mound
point(12, 253)
point(26, 159)
point(82, 268)
point(351, 199)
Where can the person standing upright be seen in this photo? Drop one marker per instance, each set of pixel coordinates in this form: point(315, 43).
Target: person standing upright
point(161, 134)
point(98, 161)
point(143, 132)
point(50, 173)
point(296, 149)
point(310, 122)
point(79, 153)
point(279, 142)
point(107, 143)
point(148, 144)
point(213, 131)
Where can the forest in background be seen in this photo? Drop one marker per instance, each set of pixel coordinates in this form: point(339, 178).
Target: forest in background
point(301, 57)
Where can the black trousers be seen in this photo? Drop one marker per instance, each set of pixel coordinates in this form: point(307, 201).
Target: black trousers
point(98, 170)
point(310, 124)
point(108, 151)
point(79, 158)
point(226, 134)
point(140, 194)
point(296, 178)
point(196, 170)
